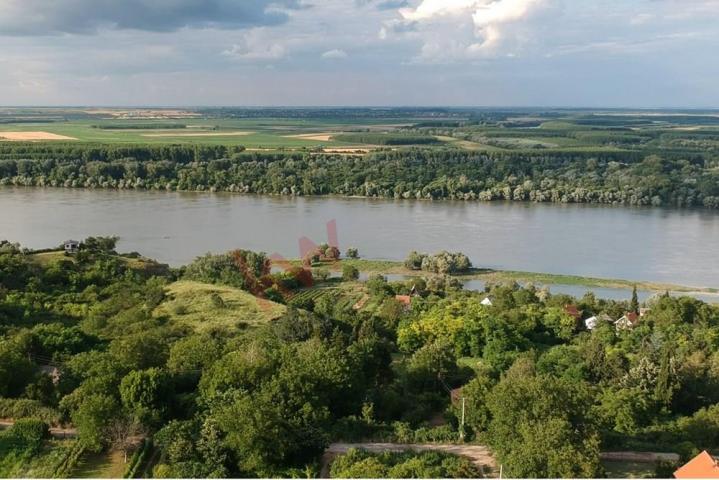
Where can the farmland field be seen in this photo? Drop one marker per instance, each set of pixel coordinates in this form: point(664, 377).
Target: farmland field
point(349, 130)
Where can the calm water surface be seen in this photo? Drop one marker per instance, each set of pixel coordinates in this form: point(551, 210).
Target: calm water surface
point(631, 243)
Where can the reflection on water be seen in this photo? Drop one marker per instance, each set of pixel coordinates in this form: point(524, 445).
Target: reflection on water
point(660, 245)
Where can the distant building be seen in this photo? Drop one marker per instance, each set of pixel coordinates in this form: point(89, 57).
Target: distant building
point(630, 320)
point(701, 466)
point(487, 302)
point(72, 246)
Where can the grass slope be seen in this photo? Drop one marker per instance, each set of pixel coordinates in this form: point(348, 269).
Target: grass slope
point(193, 304)
point(100, 465)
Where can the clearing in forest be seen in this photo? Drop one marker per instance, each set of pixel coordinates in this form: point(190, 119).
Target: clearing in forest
point(203, 306)
point(32, 136)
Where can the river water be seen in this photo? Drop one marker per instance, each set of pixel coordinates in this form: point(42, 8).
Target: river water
point(662, 245)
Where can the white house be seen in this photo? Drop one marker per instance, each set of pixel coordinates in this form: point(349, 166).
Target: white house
point(593, 322)
point(72, 246)
point(487, 302)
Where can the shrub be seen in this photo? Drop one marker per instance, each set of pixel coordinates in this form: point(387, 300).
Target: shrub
point(428, 464)
point(28, 434)
point(350, 273)
point(24, 408)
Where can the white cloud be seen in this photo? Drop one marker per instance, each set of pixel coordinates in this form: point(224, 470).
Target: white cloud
point(433, 8)
point(253, 46)
point(334, 54)
point(491, 19)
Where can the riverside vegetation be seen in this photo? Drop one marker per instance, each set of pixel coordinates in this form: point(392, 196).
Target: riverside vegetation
point(562, 156)
point(559, 177)
point(281, 364)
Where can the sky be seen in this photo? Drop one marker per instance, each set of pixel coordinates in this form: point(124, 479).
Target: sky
point(561, 53)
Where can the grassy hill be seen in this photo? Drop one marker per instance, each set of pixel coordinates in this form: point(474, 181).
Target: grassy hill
point(203, 306)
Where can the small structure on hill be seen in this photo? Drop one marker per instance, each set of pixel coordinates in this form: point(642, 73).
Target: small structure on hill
point(701, 466)
point(487, 302)
point(71, 246)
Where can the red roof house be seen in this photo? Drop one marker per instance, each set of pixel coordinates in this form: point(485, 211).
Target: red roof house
point(701, 466)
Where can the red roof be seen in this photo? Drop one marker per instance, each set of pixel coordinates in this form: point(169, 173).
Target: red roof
point(573, 311)
point(701, 466)
point(405, 299)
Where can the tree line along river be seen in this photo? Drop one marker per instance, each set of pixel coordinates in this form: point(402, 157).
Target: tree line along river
point(649, 244)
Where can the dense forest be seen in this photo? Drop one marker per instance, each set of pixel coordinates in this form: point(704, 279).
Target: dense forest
point(113, 346)
point(609, 177)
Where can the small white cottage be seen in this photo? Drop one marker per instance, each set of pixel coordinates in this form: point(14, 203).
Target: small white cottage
point(72, 246)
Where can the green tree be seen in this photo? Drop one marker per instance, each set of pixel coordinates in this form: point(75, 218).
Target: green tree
point(634, 304)
point(541, 425)
point(92, 418)
point(350, 273)
point(144, 394)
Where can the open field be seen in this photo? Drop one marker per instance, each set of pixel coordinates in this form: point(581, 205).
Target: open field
point(26, 136)
point(337, 129)
point(319, 137)
point(199, 134)
point(195, 304)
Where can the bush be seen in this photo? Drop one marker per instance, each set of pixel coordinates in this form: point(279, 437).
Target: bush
point(442, 262)
point(24, 408)
point(321, 274)
point(428, 464)
point(28, 434)
point(350, 273)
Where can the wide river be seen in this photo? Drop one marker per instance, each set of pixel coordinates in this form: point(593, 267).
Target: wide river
point(673, 246)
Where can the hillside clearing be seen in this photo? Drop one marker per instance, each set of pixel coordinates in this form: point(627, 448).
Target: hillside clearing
point(195, 304)
point(109, 464)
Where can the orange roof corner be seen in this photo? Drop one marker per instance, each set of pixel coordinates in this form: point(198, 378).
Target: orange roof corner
point(404, 299)
point(701, 466)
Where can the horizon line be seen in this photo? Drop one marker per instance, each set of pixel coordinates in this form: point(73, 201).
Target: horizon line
point(359, 107)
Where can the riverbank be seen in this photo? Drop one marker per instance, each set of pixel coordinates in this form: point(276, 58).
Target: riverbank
point(387, 267)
